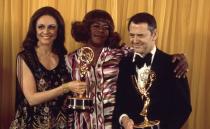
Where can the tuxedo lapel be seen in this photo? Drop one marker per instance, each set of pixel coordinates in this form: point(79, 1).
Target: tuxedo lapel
point(155, 64)
point(130, 64)
point(156, 67)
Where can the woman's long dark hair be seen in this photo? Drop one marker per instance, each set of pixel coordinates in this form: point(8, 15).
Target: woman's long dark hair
point(81, 30)
point(30, 42)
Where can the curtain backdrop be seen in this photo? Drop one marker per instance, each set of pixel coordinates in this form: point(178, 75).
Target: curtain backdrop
point(183, 27)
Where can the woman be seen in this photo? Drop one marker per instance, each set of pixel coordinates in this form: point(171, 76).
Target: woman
point(97, 32)
point(42, 77)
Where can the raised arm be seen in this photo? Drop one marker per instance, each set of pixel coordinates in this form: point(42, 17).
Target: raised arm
point(29, 88)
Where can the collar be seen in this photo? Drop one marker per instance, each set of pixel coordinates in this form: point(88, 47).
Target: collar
point(152, 52)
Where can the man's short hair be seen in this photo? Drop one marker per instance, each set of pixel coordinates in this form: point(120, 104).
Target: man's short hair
point(144, 17)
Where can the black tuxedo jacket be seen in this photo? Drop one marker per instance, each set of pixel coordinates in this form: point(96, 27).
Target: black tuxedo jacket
point(169, 96)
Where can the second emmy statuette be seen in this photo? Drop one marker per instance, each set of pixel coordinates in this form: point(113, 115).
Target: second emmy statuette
point(82, 102)
point(147, 77)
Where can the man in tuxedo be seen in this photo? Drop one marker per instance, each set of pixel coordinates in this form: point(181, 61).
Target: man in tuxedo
point(169, 96)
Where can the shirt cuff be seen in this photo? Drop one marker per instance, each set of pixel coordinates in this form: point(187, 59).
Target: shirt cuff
point(120, 118)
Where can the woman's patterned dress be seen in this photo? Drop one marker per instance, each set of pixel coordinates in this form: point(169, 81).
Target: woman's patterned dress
point(102, 79)
point(48, 115)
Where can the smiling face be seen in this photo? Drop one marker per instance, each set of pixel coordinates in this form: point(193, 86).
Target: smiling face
point(99, 32)
point(46, 30)
point(141, 38)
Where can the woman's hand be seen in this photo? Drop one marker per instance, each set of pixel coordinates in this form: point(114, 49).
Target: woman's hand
point(182, 65)
point(78, 87)
point(127, 123)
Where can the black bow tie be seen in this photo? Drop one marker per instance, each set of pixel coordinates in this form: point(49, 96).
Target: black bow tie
point(139, 61)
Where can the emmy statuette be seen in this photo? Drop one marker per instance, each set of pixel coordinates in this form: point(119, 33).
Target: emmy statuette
point(81, 102)
point(147, 77)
